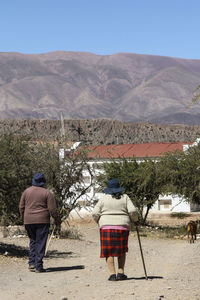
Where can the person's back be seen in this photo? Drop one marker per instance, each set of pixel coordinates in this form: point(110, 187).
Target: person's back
point(114, 211)
point(36, 205)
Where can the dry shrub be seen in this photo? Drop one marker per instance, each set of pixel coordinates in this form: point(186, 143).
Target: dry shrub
point(71, 232)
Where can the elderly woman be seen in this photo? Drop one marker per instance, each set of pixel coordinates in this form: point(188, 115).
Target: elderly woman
point(113, 213)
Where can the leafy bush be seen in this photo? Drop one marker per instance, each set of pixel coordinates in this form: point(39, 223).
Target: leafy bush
point(15, 176)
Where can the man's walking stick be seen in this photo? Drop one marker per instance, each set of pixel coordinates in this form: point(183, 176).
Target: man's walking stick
point(47, 246)
point(145, 272)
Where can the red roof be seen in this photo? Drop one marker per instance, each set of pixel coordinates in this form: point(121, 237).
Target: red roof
point(136, 150)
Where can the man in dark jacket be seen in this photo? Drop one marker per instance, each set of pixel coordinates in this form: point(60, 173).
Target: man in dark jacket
point(36, 206)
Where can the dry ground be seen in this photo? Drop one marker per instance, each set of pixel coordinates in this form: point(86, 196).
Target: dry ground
point(76, 272)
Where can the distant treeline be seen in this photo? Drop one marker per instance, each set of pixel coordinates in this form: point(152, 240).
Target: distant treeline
point(100, 131)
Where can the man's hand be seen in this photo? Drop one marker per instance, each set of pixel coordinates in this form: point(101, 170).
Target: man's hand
point(57, 221)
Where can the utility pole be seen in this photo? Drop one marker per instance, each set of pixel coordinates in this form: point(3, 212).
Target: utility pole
point(62, 137)
point(62, 129)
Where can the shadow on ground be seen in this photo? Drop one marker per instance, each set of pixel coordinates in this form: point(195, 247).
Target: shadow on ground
point(57, 269)
point(59, 254)
point(144, 278)
point(13, 250)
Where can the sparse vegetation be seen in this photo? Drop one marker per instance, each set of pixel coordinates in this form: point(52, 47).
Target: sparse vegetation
point(71, 232)
point(162, 232)
point(179, 215)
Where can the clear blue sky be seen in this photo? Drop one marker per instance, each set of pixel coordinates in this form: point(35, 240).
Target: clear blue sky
point(157, 27)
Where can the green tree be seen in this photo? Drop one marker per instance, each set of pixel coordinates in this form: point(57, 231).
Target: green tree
point(19, 160)
point(148, 188)
point(190, 187)
point(179, 173)
point(65, 176)
point(15, 175)
point(169, 170)
point(138, 179)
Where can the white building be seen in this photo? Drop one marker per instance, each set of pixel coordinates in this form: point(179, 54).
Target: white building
point(104, 153)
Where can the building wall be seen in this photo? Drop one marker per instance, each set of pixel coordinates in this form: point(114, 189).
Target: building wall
point(171, 203)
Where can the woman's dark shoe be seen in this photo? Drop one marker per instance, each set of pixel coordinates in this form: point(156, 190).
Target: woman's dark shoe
point(112, 277)
point(121, 276)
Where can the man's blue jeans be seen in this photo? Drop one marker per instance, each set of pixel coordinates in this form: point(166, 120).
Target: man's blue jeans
point(38, 234)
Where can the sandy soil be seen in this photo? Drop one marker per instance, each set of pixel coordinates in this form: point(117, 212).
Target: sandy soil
point(76, 272)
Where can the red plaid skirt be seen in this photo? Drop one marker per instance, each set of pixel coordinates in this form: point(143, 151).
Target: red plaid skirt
point(114, 242)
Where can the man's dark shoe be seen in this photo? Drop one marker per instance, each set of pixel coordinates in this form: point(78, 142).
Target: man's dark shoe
point(40, 271)
point(121, 276)
point(31, 268)
point(112, 277)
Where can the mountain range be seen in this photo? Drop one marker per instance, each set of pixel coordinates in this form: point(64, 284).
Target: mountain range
point(125, 86)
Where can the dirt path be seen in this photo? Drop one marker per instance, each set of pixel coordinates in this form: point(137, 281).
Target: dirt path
point(76, 271)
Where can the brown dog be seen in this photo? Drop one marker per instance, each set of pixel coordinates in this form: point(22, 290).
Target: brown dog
point(192, 231)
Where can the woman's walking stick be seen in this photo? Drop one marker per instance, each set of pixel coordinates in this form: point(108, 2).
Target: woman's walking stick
point(145, 272)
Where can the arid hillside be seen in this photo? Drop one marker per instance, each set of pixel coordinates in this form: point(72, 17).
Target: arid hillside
point(124, 86)
point(101, 131)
